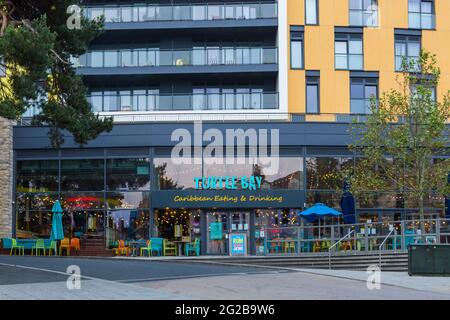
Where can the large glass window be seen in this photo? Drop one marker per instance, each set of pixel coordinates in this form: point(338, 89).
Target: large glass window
point(311, 12)
point(127, 224)
point(348, 51)
point(362, 91)
point(128, 174)
point(127, 200)
point(82, 175)
point(176, 176)
point(421, 14)
point(323, 173)
point(363, 13)
point(407, 49)
point(37, 175)
point(296, 50)
point(312, 95)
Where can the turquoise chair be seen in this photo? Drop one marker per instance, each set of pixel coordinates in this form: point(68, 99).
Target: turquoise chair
point(193, 247)
point(15, 246)
point(157, 245)
point(6, 243)
point(40, 245)
point(51, 245)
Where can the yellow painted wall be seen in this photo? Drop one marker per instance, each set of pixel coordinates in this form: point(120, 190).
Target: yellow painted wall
point(378, 51)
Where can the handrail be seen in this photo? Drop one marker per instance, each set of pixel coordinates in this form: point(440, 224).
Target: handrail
point(339, 241)
point(381, 245)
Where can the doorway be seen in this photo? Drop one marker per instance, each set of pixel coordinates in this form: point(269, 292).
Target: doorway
point(220, 225)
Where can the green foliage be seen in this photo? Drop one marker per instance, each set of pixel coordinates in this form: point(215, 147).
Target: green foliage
point(402, 137)
point(36, 47)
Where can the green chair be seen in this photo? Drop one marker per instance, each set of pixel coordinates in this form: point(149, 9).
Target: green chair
point(148, 248)
point(40, 245)
point(169, 248)
point(193, 247)
point(52, 246)
point(16, 246)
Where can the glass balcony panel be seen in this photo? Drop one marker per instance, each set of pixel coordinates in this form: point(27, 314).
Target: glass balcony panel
point(228, 56)
point(215, 12)
point(182, 58)
point(198, 12)
point(141, 13)
point(255, 55)
point(165, 13)
point(269, 10)
point(95, 13)
point(230, 12)
point(126, 14)
point(256, 100)
point(213, 98)
point(111, 58)
point(110, 102)
point(152, 14)
point(182, 13)
point(112, 14)
point(198, 56)
point(153, 100)
point(125, 101)
point(213, 55)
point(270, 100)
point(269, 55)
point(96, 100)
point(228, 99)
point(96, 59)
point(198, 99)
point(166, 58)
point(165, 102)
point(182, 102)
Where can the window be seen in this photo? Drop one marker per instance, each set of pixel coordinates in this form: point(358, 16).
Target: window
point(128, 174)
point(312, 95)
point(421, 14)
point(362, 90)
point(430, 88)
point(296, 50)
point(363, 13)
point(406, 47)
point(348, 51)
point(311, 12)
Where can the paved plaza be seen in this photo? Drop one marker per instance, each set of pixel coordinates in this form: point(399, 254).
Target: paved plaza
point(34, 278)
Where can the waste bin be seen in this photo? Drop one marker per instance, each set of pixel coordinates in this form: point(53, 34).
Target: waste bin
point(429, 260)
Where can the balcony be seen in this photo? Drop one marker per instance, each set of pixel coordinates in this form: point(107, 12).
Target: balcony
point(179, 16)
point(154, 57)
point(185, 12)
point(127, 102)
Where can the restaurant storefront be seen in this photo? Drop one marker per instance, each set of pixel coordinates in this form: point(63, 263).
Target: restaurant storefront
point(118, 189)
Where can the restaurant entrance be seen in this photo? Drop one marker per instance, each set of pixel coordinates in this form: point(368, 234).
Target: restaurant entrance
point(220, 225)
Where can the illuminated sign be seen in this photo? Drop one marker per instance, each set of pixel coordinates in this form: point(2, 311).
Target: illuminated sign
point(228, 182)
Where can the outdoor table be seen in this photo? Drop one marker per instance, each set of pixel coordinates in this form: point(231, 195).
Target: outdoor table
point(134, 245)
point(180, 246)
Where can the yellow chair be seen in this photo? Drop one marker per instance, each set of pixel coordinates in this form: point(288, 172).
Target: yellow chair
point(65, 244)
point(75, 244)
point(326, 245)
point(169, 247)
point(289, 246)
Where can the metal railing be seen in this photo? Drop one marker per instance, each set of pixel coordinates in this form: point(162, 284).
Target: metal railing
point(127, 102)
point(381, 246)
point(155, 57)
point(183, 12)
point(334, 245)
point(367, 237)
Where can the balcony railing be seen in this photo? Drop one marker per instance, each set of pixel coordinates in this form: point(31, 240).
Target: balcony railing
point(151, 57)
point(422, 20)
point(203, 101)
point(183, 12)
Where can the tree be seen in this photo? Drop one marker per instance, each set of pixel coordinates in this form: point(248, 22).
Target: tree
point(402, 136)
point(36, 46)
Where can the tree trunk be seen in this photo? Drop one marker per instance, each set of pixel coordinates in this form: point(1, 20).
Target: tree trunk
point(6, 178)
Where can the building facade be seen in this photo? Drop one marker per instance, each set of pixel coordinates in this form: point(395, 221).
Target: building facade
point(302, 69)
